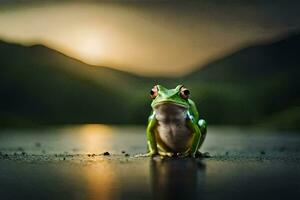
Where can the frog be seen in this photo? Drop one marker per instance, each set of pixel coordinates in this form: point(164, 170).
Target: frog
point(174, 128)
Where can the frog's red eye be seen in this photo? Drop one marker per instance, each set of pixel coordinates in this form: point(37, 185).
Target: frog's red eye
point(184, 93)
point(153, 92)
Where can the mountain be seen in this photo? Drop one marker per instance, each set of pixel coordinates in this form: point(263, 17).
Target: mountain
point(254, 62)
point(42, 86)
point(255, 85)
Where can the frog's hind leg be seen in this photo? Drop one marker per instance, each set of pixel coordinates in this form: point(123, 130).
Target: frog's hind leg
point(203, 129)
point(163, 150)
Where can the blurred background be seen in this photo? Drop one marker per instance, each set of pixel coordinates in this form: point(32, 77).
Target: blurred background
point(78, 62)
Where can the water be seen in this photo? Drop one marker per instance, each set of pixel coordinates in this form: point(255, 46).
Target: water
point(68, 163)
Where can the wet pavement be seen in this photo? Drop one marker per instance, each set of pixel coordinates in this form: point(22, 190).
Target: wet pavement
point(103, 162)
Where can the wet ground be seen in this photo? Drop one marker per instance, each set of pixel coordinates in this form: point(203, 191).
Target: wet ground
point(103, 162)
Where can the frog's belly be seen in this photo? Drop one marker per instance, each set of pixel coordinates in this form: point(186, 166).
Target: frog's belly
point(173, 137)
point(172, 132)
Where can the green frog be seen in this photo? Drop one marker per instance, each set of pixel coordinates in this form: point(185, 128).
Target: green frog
point(174, 128)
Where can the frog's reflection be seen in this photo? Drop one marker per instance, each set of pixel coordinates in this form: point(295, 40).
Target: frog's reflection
point(176, 178)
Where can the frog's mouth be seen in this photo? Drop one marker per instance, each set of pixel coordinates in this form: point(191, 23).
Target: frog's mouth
point(170, 109)
point(170, 103)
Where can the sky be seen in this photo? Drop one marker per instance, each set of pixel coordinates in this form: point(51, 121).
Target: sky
point(168, 38)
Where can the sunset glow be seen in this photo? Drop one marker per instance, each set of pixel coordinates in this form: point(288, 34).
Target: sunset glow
point(155, 40)
point(90, 48)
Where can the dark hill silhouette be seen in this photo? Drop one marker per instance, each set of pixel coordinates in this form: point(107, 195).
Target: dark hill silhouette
point(254, 62)
point(255, 85)
point(42, 86)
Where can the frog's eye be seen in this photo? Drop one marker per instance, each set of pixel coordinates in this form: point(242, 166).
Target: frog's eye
point(153, 92)
point(184, 93)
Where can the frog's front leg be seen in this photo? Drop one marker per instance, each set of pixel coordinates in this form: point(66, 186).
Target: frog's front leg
point(203, 129)
point(151, 140)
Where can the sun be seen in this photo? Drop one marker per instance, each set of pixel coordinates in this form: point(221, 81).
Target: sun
point(87, 46)
point(90, 49)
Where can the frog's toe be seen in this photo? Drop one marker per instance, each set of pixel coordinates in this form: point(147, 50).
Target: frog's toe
point(198, 154)
point(202, 155)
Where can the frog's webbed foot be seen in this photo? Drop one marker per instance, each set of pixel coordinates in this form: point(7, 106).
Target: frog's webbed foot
point(202, 155)
point(167, 154)
point(142, 155)
point(149, 154)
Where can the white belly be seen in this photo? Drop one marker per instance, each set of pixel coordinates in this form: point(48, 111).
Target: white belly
point(172, 131)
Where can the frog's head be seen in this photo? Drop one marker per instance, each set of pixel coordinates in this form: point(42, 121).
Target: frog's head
point(178, 96)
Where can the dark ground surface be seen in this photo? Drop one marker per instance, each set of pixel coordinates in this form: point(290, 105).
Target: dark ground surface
point(69, 163)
